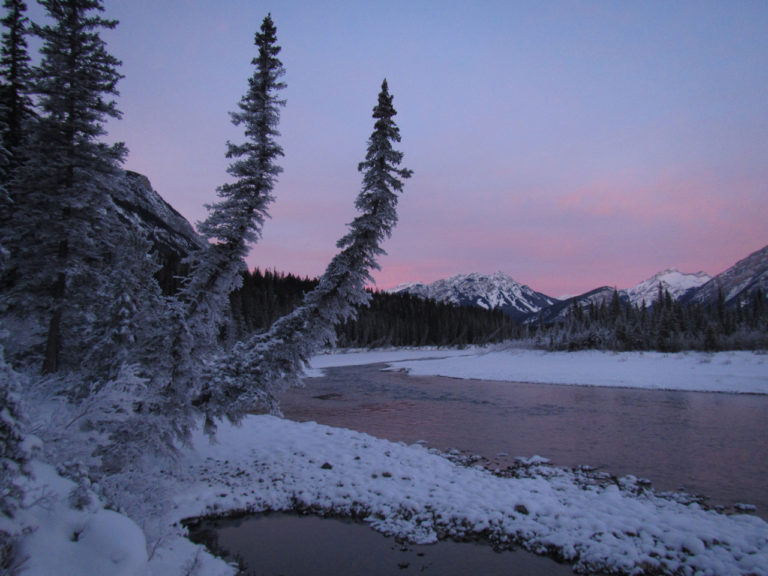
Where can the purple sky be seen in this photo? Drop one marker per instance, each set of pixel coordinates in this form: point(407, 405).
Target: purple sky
point(568, 144)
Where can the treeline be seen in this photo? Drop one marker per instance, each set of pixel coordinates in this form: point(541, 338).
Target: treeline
point(667, 326)
point(614, 324)
point(389, 320)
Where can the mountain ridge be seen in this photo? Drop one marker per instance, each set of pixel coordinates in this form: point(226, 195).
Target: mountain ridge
point(521, 302)
point(489, 291)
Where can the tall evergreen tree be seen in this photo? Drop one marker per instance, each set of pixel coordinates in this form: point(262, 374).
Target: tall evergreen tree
point(237, 219)
point(59, 232)
point(244, 379)
point(15, 85)
point(4, 161)
point(234, 222)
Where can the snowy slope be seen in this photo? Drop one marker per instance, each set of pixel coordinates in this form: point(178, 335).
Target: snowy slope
point(485, 291)
point(739, 281)
point(675, 282)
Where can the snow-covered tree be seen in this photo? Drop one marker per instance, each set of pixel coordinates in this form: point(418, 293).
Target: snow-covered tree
point(13, 456)
point(4, 162)
point(244, 379)
point(15, 102)
point(15, 77)
point(237, 219)
point(59, 236)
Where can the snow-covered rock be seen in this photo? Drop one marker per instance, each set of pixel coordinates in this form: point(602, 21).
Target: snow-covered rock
point(141, 207)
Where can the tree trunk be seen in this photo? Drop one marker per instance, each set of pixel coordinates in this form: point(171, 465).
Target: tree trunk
point(53, 340)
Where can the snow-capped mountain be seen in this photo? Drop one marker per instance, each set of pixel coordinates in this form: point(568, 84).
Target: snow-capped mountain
point(737, 283)
point(486, 291)
point(678, 284)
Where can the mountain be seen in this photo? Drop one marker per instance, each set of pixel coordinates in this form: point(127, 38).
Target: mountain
point(494, 291)
point(140, 207)
point(560, 309)
point(740, 282)
point(678, 284)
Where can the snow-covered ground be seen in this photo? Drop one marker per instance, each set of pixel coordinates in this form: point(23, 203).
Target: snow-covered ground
point(742, 372)
point(270, 463)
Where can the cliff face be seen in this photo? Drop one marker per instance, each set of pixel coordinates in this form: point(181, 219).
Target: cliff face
point(173, 237)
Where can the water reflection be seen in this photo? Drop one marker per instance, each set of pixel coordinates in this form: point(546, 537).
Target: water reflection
point(294, 545)
point(710, 444)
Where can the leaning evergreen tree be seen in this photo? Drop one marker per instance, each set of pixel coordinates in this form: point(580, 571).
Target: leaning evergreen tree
point(61, 235)
point(233, 222)
point(237, 219)
point(244, 379)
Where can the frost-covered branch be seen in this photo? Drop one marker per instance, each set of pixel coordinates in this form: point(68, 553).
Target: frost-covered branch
point(244, 379)
point(237, 219)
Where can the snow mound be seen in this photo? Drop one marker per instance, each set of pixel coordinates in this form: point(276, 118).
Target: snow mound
point(63, 539)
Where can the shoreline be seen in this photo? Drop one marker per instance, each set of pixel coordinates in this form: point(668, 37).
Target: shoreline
point(727, 372)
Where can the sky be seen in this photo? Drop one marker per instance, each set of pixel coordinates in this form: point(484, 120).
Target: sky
point(568, 144)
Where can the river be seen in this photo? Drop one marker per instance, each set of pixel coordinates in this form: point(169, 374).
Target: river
point(709, 444)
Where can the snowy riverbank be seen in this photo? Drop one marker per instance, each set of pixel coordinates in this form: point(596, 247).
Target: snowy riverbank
point(269, 463)
point(736, 372)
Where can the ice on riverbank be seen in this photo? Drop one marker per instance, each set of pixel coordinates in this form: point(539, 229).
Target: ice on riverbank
point(735, 372)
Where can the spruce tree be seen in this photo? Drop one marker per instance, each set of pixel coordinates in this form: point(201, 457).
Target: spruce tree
point(4, 162)
point(60, 236)
point(15, 83)
point(237, 219)
point(244, 379)
point(234, 222)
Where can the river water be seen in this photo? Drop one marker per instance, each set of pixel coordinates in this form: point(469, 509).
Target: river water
point(713, 445)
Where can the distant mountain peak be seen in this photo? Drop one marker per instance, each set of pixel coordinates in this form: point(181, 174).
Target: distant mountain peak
point(741, 281)
point(678, 284)
point(490, 291)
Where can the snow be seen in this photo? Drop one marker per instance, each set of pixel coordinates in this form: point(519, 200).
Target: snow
point(67, 541)
point(358, 357)
point(596, 522)
point(672, 280)
point(486, 291)
point(734, 372)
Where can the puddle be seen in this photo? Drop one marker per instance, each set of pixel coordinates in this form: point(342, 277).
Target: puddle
point(289, 544)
